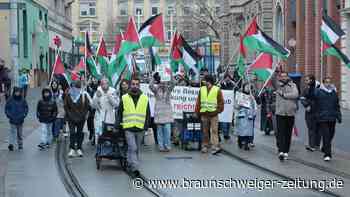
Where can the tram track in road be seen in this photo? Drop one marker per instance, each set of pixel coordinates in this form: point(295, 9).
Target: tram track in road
point(65, 172)
point(71, 182)
point(272, 172)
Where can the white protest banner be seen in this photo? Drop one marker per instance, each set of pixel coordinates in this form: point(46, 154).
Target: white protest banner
point(184, 100)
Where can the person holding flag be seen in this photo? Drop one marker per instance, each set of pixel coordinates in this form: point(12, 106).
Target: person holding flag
point(286, 107)
point(209, 104)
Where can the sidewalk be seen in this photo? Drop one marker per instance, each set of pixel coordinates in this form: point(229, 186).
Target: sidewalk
point(29, 126)
point(301, 164)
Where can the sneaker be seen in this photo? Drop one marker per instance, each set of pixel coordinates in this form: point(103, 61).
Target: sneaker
point(227, 137)
point(47, 145)
point(204, 150)
point(327, 158)
point(42, 146)
point(71, 153)
point(251, 145)
point(65, 134)
point(20, 147)
point(80, 153)
point(10, 147)
point(309, 148)
point(215, 151)
point(281, 156)
point(167, 149)
point(285, 155)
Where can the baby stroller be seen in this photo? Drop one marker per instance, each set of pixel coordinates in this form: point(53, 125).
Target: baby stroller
point(191, 135)
point(111, 145)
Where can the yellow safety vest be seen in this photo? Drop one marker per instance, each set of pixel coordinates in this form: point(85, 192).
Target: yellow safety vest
point(134, 116)
point(209, 102)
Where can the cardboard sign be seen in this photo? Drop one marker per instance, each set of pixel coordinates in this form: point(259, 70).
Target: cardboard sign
point(164, 71)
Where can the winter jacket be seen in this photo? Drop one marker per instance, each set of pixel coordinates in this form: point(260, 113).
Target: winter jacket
point(219, 108)
point(286, 98)
point(106, 105)
point(119, 121)
point(46, 110)
point(244, 119)
point(16, 110)
point(77, 112)
point(327, 106)
point(58, 98)
point(163, 112)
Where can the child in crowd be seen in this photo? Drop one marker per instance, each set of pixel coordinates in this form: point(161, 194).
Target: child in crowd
point(46, 113)
point(16, 110)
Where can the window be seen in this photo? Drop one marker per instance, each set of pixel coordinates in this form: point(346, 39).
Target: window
point(217, 10)
point(138, 12)
point(186, 11)
point(201, 11)
point(154, 11)
point(123, 12)
point(123, 8)
point(168, 35)
point(171, 10)
point(46, 20)
point(25, 33)
point(88, 9)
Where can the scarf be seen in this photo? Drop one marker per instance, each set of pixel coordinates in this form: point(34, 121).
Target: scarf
point(75, 94)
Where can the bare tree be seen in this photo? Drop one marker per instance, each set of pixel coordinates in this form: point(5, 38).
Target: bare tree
point(222, 23)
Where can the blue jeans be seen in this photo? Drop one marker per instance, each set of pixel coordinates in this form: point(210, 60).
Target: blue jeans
point(57, 126)
point(163, 135)
point(46, 133)
point(16, 133)
point(134, 140)
point(225, 128)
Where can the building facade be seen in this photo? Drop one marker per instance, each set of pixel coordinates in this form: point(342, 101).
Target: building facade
point(59, 25)
point(32, 38)
point(345, 44)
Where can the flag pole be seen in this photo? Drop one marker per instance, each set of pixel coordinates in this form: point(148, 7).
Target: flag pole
point(267, 81)
point(53, 70)
point(321, 77)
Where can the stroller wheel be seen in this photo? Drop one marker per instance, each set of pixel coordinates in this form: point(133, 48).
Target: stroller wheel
point(98, 163)
point(123, 163)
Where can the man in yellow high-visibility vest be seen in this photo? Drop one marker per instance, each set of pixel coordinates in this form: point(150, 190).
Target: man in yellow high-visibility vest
point(209, 104)
point(134, 118)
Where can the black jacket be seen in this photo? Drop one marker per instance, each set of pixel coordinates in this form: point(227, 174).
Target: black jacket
point(119, 118)
point(16, 109)
point(46, 110)
point(326, 105)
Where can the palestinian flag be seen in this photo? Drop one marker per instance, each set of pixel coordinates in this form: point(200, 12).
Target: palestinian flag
point(154, 56)
point(93, 68)
point(334, 51)
point(152, 32)
point(130, 41)
point(80, 68)
point(59, 71)
point(115, 66)
point(262, 67)
point(58, 67)
point(102, 56)
point(175, 52)
point(330, 30)
point(240, 60)
point(257, 40)
point(190, 59)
